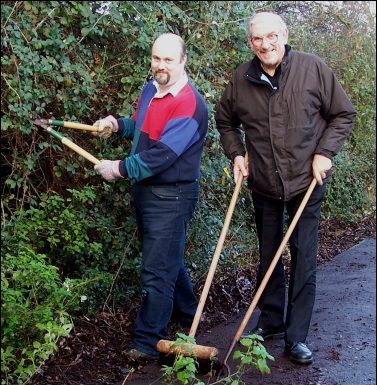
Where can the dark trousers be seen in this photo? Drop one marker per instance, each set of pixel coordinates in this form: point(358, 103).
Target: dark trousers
point(303, 245)
point(163, 213)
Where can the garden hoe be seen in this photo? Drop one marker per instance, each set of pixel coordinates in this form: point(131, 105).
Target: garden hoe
point(46, 125)
point(225, 370)
point(202, 352)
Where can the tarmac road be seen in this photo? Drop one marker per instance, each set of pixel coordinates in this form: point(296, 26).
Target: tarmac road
point(342, 335)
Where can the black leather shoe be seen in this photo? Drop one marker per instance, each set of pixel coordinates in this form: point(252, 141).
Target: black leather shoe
point(299, 353)
point(266, 334)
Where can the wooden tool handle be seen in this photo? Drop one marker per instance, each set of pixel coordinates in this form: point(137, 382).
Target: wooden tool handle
point(216, 255)
point(80, 151)
point(72, 146)
point(78, 126)
point(269, 272)
point(275, 260)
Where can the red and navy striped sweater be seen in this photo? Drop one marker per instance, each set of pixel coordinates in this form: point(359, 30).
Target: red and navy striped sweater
point(168, 136)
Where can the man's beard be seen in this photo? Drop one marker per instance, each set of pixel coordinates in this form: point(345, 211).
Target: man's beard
point(162, 81)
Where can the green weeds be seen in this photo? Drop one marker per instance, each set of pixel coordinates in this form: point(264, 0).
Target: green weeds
point(185, 369)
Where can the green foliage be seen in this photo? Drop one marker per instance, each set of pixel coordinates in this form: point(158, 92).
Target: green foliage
point(33, 313)
point(82, 60)
point(184, 370)
point(348, 189)
point(255, 355)
point(49, 242)
point(65, 229)
point(55, 228)
point(185, 367)
point(329, 31)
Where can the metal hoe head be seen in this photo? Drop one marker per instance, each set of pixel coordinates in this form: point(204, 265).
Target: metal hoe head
point(222, 371)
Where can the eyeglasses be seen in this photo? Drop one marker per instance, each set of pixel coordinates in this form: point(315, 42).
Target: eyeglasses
point(271, 38)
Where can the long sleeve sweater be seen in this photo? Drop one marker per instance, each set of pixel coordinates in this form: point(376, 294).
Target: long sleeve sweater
point(168, 135)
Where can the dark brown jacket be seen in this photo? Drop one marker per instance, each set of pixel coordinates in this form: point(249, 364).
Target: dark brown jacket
point(308, 114)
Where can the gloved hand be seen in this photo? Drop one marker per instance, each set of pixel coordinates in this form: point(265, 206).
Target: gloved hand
point(109, 169)
point(106, 127)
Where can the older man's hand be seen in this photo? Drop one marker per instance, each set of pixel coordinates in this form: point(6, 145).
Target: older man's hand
point(320, 166)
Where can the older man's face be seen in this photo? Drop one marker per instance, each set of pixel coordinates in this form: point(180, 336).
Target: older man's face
point(267, 39)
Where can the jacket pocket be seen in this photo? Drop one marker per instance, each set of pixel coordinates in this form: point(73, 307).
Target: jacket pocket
point(302, 108)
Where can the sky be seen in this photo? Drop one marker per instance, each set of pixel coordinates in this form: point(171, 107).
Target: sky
point(372, 6)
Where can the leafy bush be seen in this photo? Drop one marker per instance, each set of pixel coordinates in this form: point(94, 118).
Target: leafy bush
point(45, 247)
point(347, 189)
point(75, 233)
point(33, 313)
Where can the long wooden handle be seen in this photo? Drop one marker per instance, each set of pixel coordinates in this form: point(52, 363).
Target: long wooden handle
point(73, 146)
point(78, 126)
point(275, 259)
point(216, 255)
point(272, 267)
point(80, 151)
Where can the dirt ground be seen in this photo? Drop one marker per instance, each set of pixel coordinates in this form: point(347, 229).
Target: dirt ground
point(342, 335)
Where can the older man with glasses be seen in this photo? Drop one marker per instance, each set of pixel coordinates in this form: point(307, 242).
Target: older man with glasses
point(295, 117)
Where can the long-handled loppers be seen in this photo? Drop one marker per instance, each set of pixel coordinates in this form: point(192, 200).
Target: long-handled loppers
point(45, 124)
point(225, 366)
point(62, 123)
point(193, 350)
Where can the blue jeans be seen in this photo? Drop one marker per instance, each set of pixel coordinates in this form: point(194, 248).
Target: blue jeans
point(163, 213)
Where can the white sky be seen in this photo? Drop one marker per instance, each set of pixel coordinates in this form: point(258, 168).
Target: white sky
point(372, 6)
